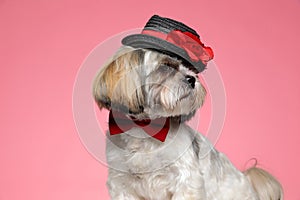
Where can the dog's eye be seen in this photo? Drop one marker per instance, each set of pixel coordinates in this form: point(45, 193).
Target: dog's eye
point(165, 68)
point(170, 63)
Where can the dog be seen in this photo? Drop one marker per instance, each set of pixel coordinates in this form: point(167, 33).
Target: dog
point(151, 89)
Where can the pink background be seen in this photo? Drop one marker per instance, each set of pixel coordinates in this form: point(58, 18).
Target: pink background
point(43, 43)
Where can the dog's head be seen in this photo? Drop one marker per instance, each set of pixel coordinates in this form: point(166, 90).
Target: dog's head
point(148, 84)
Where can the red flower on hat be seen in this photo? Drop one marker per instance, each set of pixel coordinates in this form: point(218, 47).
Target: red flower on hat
point(192, 45)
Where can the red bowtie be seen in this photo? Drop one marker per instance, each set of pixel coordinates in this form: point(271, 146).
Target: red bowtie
point(120, 123)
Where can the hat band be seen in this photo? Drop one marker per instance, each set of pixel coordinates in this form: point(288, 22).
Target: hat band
point(195, 49)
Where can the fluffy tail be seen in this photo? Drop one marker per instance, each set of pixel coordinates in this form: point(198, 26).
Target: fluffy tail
point(266, 186)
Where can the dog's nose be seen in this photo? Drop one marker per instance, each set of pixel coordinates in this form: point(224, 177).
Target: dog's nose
point(190, 80)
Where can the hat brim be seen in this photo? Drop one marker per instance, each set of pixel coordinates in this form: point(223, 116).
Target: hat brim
point(151, 42)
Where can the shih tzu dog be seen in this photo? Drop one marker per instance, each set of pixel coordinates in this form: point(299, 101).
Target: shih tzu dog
point(151, 88)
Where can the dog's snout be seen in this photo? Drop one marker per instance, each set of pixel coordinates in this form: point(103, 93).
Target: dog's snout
point(190, 80)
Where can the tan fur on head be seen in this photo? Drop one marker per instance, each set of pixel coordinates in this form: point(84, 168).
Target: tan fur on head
point(109, 89)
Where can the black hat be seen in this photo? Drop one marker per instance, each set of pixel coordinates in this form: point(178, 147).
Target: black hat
point(173, 38)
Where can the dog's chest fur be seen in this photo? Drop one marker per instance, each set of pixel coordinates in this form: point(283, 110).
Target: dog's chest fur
point(185, 165)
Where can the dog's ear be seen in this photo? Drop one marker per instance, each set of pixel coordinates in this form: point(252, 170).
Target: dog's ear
point(119, 84)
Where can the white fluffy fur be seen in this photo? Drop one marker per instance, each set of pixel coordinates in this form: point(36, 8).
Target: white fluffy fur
point(147, 84)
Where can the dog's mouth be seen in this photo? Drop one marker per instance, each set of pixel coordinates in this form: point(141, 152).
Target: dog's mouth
point(183, 97)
